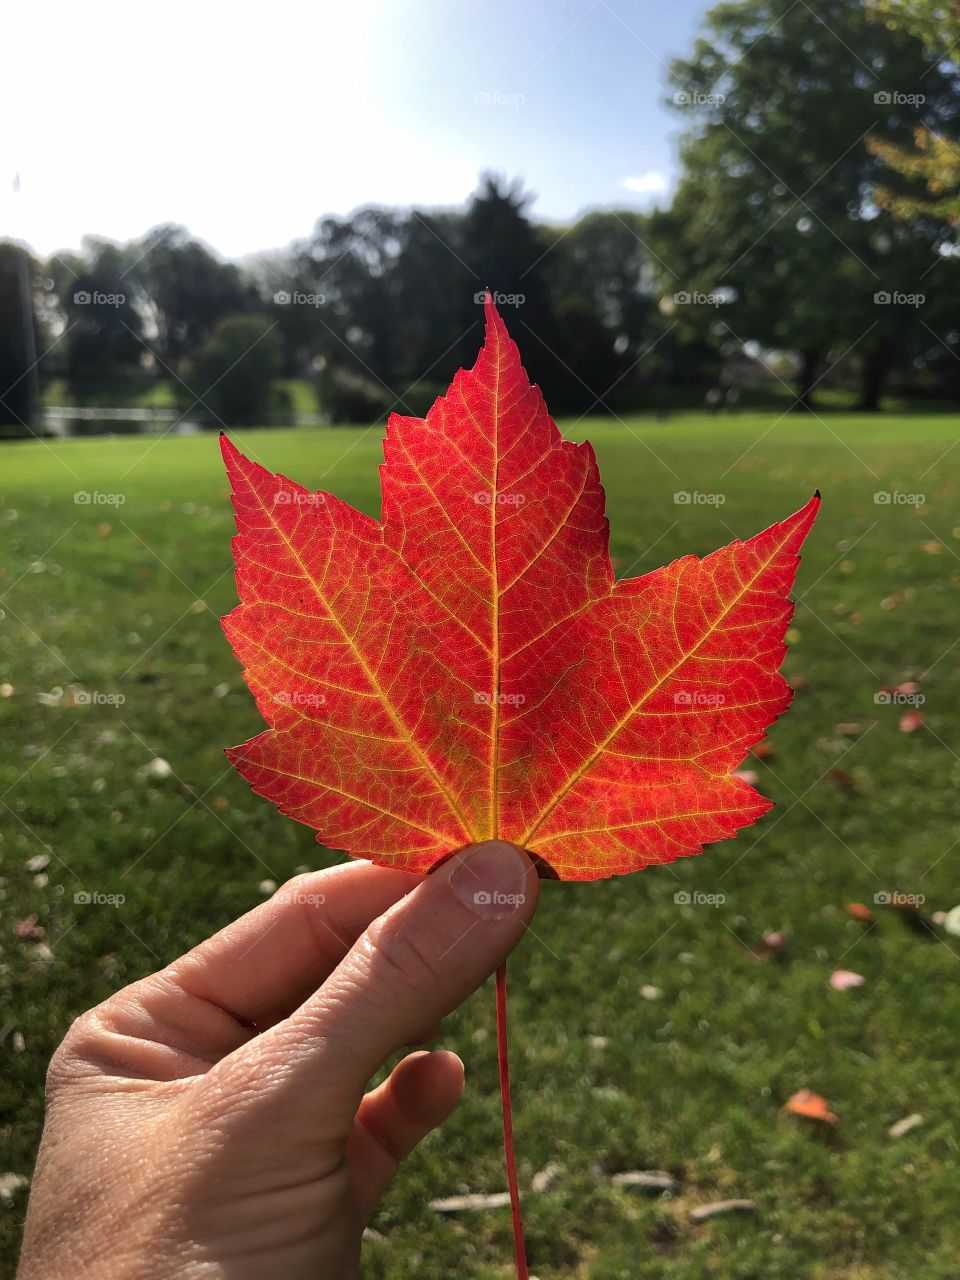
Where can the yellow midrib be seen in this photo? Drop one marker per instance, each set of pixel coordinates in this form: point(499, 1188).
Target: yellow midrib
point(495, 619)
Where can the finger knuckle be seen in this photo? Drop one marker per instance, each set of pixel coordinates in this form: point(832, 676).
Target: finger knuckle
point(298, 884)
point(80, 1044)
point(402, 958)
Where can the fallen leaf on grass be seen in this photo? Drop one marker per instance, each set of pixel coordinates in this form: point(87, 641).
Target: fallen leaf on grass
point(706, 1211)
point(29, 929)
point(156, 770)
point(546, 1178)
point(771, 945)
point(846, 979)
point(645, 1179)
point(472, 1201)
point(11, 1182)
point(810, 1105)
point(859, 912)
point(903, 1127)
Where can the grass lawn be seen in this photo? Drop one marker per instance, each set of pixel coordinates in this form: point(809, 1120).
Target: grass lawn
point(122, 602)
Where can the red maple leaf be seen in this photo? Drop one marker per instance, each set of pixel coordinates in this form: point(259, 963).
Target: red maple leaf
point(467, 667)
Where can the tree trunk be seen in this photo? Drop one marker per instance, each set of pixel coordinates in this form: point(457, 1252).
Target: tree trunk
point(873, 376)
point(807, 378)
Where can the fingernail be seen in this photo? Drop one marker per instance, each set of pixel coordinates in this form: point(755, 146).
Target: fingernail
point(490, 879)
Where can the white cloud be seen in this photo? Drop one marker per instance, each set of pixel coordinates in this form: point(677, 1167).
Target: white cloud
point(651, 183)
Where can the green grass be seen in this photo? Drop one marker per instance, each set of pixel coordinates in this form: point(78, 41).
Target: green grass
point(124, 600)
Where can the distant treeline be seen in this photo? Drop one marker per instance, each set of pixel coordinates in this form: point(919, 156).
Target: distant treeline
point(777, 259)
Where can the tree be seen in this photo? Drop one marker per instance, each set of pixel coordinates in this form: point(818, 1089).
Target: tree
point(231, 376)
point(500, 248)
point(103, 309)
point(17, 342)
point(931, 167)
point(330, 302)
point(189, 290)
point(602, 287)
point(773, 226)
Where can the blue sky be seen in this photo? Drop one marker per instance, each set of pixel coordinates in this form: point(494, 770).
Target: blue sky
point(246, 124)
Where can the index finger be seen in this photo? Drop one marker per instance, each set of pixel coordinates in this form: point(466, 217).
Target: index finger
point(262, 966)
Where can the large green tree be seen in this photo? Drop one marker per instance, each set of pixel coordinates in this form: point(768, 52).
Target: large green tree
point(603, 288)
point(188, 290)
point(103, 343)
point(773, 232)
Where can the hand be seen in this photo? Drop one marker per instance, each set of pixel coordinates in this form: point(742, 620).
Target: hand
point(211, 1120)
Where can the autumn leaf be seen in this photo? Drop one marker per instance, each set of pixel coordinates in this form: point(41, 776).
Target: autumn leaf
point(467, 667)
point(846, 979)
point(859, 912)
point(810, 1105)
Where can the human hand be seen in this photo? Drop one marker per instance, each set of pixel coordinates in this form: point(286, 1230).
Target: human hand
point(211, 1121)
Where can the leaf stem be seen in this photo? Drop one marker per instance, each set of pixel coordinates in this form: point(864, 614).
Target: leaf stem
point(518, 1244)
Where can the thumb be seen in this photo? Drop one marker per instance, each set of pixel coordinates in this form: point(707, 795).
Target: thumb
point(411, 967)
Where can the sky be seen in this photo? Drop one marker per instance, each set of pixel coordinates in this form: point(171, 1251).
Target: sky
point(246, 123)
